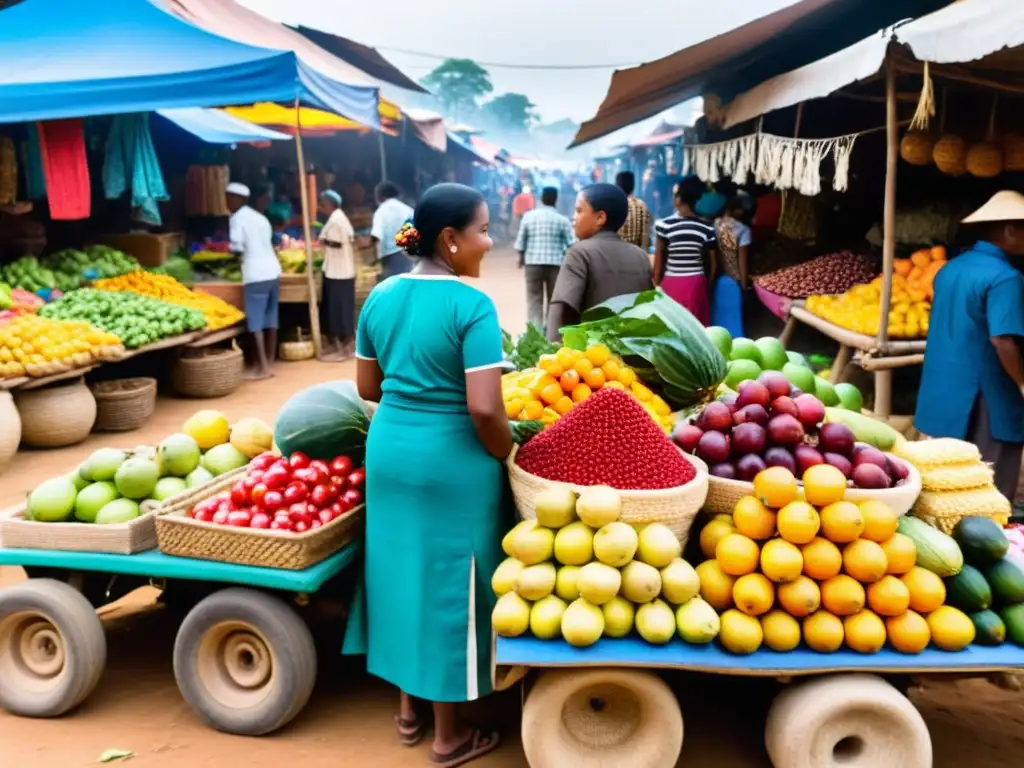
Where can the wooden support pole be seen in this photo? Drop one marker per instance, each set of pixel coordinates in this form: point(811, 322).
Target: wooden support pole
point(383, 157)
point(839, 365)
point(307, 235)
point(892, 141)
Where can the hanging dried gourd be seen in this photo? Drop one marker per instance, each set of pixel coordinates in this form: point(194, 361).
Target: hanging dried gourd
point(916, 147)
point(985, 159)
point(1013, 152)
point(950, 155)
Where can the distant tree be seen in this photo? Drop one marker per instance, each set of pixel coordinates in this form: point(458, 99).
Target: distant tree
point(512, 111)
point(459, 84)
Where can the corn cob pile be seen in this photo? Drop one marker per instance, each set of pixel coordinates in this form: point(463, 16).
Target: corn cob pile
point(219, 314)
point(955, 483)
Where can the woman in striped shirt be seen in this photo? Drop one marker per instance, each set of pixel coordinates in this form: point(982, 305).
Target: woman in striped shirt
point(684, 245)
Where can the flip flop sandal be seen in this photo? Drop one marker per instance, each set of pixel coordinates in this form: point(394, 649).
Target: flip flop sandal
point(411, 732)
point(478, 745)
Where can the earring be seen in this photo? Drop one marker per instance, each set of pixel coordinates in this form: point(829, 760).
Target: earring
point(454, 249)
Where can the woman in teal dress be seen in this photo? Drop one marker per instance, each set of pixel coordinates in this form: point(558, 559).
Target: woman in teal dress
point(429, 350)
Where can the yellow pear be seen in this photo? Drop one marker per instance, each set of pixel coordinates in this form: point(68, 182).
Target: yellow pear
point(574, 544)
point(655, 622)
point(505, 575)
point(615, 544)
point(556, 507)
point(511, 615)
point(657, 545)
point(641, 582)
point(599, 505)
point(679, 581)
point(582, 623)
point(536, 582)
point(598, 583)
point(546, 617)
point(618, 617)
point(566, 586)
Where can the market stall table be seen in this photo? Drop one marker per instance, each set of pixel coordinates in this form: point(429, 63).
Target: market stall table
point(208, 338)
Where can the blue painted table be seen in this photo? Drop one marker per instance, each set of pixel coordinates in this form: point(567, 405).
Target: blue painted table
point(156, 565)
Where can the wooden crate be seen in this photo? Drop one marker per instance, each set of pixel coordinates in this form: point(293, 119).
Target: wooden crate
point(151, 250)
point(295, 288)
point(230, 292)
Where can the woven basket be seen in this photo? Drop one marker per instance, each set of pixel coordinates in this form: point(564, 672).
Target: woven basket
point(124, 404)
point(56, 416)
point(673, 507)
point(295, 351)
point(137, 535)
point(213, 373)
point(180, 535)
point(10, 429)
point(723, 494)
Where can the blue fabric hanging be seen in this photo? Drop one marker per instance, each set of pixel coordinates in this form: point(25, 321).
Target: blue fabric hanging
point(131, 158)
point(727, 305)
point(35, 178)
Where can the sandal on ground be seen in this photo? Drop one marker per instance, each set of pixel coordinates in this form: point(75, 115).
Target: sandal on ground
point(411, 732)
point(479, 744)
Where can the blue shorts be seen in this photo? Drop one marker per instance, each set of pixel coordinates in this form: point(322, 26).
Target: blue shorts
point(261, 305)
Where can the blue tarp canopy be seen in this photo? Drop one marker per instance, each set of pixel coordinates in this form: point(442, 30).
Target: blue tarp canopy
point(67, 58)
point(215, 126)
point(457, 144)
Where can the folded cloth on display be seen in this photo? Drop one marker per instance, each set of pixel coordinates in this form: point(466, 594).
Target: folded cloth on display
point(62, 148)
point(32, 160)
point(130, 155)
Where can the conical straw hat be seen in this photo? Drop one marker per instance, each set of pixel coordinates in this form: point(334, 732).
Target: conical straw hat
point(1004, 206)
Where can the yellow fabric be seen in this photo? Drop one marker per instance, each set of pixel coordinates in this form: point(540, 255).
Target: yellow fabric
point(270, 114)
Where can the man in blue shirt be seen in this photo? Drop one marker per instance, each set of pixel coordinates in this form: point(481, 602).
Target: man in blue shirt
point(543, 238)
point(972, 386)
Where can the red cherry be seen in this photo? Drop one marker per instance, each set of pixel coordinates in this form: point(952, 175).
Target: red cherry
point(298, 460)
point(341, 466)
point(260, 520)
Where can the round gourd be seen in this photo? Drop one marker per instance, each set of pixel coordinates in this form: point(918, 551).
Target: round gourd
point(950, 155)
point(985, 160)
point(916, 148)
point(1013, 152)
point(324, 421)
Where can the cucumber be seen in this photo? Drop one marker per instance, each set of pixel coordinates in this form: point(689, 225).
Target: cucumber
point(968, 591)
point(936, 552)
point(1007, 581)
point(989, 629)
point(865, 429)
point(981, 540)
point(1013, 617)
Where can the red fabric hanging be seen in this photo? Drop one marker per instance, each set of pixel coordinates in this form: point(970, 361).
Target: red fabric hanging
point(62, 146)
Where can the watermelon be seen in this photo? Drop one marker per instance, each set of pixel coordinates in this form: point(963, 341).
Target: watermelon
point(324, 421)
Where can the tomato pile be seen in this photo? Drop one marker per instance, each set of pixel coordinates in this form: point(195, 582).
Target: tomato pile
point(292, 493)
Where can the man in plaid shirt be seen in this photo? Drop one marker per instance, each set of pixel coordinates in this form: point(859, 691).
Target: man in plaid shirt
point(543, 238)
point(637, 229)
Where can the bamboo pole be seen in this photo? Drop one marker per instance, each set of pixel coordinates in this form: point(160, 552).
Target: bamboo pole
point(307, 235)
point(883, 379)
point(383, 157)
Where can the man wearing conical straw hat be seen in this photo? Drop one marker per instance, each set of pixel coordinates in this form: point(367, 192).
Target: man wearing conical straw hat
point(972, 387)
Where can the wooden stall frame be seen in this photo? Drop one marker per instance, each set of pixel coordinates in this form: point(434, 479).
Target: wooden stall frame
point(307, 234)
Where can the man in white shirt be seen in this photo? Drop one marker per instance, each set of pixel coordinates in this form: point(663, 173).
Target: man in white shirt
point(389, 217)
point(251, 236)
point(339, 295)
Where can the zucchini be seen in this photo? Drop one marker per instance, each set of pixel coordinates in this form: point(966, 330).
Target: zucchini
point(989, 629)
point(981, 540)
point(1013, 617)
point(968, 591)
point(1007, 581)
point(936, 552)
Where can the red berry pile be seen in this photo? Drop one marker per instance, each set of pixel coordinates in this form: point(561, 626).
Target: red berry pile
point(608, 439)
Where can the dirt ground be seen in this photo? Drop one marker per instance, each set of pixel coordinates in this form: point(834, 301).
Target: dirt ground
point(137, 706)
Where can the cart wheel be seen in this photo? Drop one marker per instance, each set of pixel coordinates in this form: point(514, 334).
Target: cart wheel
point(245, 662)
point(52, 648)
point(601, 717)
point(854, 721)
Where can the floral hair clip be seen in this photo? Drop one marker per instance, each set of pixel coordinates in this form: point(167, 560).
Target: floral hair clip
point(407, 236)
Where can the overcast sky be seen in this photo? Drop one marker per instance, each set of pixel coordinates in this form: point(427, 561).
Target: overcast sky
point(565, 32)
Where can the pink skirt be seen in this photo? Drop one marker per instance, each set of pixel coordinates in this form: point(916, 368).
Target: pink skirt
point(692, 293)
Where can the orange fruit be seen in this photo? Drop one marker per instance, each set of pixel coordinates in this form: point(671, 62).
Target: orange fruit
point(824, 485)
point(581, 393)
point(908, 633)
point(951, 628)
point(533, 410)
point(569, 380)
point(879, 520)
point(781, 631)
point(598, 354)
point(567, 357)
point(594, 378)
point(614, 385)
point(775, 487)
point(541, 381)
point(800, 597)
point(842, 595)
point(927, 592)
point(737, 554)
point(583, 366)
point(563, 405)
point(549, 364)
point(611, 370)
point(552, 393)
point(753, 519)
point(864, 632)
point(626, 376)
point(781, 561)
point(641, 391)
point(513, 407)
point(841, 522)
point(900, 553)
point(711, 534)
point(823, 632)
point(888, 597)
point(865, 561)
point(715, 585)
point(753, 594)
point(798, 522)
point(822, 559)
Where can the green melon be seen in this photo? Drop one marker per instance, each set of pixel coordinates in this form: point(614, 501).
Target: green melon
point(797, 359)
point(324, 421)
point(721, 338)
point(849, 396)
point(745, 349)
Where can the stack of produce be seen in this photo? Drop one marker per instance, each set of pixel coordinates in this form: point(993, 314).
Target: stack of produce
point(764, 425)
point(920, 270)
point(24, 302)
point(136, 320)
point(31, 345)
point(217, 312)
point(860, 308)
point(609, 439)
point(568, 377)
point(579, 573)
point(293, 494)
point(828, 572)
point(6, 299)
point(955, 482)
point(114, 486)
point(833, 273)
point(991, 580)
point(74, 268)
point(30, 275)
